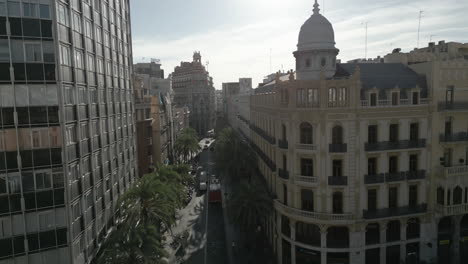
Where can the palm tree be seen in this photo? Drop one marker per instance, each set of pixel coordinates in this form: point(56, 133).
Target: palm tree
point(146, 209)
point(150, 201)
point(133, 244)
point(234, 155)
point(186, 143)
point(250, 206)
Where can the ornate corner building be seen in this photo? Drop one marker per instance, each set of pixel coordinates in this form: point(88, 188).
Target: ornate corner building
point(368, 161)
point(193, 87)
point(67, 133)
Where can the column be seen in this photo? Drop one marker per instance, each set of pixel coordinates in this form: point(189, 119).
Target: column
point(456, 240)
point(292, 224)
point(323, 242)
point(403, 238)
point(383, 239)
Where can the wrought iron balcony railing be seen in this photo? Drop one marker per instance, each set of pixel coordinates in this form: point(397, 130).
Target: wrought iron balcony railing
point(284, 174)
point(374, 178)
point(338, 148)
point(338, 180)
point(392, 212)
point(453, 106)
point(263, 134)
point(455, 137)
point(390, 145)
point(282, 143)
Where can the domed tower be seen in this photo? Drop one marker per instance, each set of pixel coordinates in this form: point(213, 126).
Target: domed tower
point(316, 50)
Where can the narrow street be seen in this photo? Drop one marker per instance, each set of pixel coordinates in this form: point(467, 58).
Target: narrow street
point(204, 223)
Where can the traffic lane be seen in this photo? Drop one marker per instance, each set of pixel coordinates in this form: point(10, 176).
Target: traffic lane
point(216, 237)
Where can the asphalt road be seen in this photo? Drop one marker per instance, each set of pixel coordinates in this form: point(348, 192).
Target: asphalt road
point(207, 238)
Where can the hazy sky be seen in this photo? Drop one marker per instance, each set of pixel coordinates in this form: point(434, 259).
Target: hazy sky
point(236, 36)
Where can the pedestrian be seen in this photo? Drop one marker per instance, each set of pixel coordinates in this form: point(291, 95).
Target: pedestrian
point(233, 247)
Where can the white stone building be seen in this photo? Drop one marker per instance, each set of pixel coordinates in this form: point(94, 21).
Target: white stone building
point(368, 161)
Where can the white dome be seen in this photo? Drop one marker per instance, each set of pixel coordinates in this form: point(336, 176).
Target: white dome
point(316, 33)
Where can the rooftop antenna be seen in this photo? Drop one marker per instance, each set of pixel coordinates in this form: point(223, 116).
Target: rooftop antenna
point(207, 63)
point(365, 52)
point(419, 24)
point(430, 37)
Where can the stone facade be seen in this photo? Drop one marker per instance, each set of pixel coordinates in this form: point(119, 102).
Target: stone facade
point(193, 87)
point(368, 162)
point(154, 112)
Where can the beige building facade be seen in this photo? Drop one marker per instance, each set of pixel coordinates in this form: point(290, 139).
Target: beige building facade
point(367, 161)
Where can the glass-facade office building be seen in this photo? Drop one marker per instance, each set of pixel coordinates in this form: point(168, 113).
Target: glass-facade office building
point(67, 135)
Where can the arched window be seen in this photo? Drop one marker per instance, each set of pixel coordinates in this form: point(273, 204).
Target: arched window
point(393, 231)
point(440, 195)
point(337, 203)
point(337, 135)
point(308, 234)
point(306, 133)
point(412, 228)
point(457, 195)
point(323, 61)
point(372, 234)
point(338, 237)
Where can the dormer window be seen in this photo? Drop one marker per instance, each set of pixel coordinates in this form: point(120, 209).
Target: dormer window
point(307, 63)
point(373, 99)
point(323, 62)
point(415, 98)
point(395, 98)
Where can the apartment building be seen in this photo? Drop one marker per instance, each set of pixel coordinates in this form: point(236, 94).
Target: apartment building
point(193, 87)
point(67, 144)
point(367, 161)
point(154, 116)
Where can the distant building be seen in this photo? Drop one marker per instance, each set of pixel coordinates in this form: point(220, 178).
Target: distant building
point(154, 112)
point(219, 101)
point(193, 87)
point(443, 51)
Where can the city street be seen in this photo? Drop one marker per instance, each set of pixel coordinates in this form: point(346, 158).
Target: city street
point(204, 223)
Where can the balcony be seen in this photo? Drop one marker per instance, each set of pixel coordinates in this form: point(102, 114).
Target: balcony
point(388, 103)
point(455, 171)
point(325, 217)
point(309, 147)
point(374, 178)
point(401, 144)
point(263, 134)
point(306, 180)
point(284, 174)
point(264, 157)
point(392, 212)
point(456, 137)
point(416, 175)
point(453, 106)
point(338, 148)
point(282, 144)
point(457, 209)
point(338, 180)
point(395, 176)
